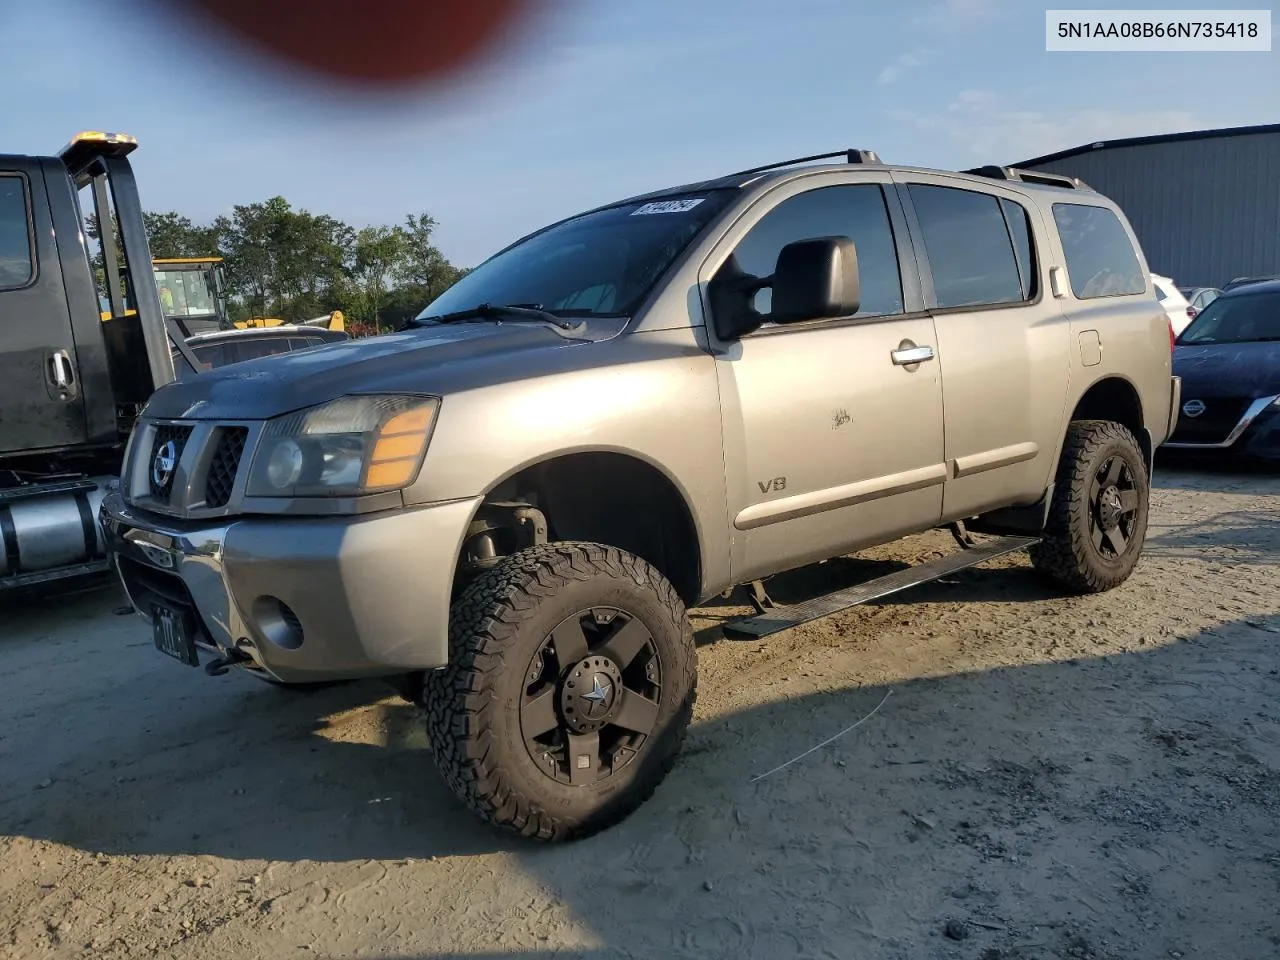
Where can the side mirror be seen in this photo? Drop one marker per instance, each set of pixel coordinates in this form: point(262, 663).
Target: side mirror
point(815, 279)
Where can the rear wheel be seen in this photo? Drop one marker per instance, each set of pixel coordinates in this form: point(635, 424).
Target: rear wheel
point(1098, 519)
point(569, 690)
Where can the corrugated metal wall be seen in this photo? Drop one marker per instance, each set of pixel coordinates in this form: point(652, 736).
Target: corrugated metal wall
point(1205, 210)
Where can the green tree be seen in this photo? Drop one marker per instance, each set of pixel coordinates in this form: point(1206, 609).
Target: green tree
point(379, 258)
point(172, 235)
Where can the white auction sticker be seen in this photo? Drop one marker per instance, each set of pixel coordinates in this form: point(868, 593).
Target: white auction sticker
point(667, 206)
point(1175, 31)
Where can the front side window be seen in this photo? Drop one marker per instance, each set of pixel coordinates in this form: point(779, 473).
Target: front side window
point(970, 243)
point(599, 264)
point(17, 265)
point(1101, 261)
point(855, 211)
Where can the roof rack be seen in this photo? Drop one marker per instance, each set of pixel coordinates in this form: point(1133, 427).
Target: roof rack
point(850, 156)
point(1029, 176)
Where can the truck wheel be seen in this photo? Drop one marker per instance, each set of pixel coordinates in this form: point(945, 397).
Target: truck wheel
point(570, 686)
point(1098, 518)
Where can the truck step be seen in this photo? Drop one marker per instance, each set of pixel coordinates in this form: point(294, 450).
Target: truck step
point(785, 617)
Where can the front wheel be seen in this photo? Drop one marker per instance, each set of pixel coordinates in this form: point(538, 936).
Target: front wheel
point(570, 687)
point(1098, 518)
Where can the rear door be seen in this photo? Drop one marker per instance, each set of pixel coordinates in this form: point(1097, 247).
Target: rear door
point(41, 403)
point(1003, 345)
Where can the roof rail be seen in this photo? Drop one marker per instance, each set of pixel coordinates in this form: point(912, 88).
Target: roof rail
point(1029, 176)
point(850, 156)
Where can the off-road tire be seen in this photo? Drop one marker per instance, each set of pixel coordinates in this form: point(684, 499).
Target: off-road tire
point(496, 626)
point(1067, 555)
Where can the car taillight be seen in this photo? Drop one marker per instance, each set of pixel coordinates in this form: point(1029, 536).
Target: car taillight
point(1172, 336)
point(1191, 312)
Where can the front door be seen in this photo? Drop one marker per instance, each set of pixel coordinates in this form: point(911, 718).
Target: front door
point(41, 403)
point(1003, 343)
point(832, 435)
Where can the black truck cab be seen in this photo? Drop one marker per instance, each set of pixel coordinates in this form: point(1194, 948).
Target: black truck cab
point(72, 378)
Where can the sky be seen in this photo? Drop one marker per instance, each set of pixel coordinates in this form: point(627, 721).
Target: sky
point(598, 100)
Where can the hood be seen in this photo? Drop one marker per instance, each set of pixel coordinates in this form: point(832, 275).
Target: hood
point(433, 360)
point(1228, 369)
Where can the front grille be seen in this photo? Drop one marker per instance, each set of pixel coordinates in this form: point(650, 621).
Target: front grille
point(160, 481)
point(224, 465)
point(1221, 414)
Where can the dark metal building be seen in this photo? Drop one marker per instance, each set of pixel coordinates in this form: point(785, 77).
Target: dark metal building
point(1205, 204)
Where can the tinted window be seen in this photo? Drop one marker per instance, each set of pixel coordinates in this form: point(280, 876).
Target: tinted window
point(239, 350)
point(600, 263)
point(1019, 224)
point(210, 356)
point(1241, 318)
point(856, 212)
point(16, 266)
point(1101, 261)
point(971, 254)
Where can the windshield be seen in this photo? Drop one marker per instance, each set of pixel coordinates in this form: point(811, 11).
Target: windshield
point(599, 264)
point(185, 293)
point(1237, 319)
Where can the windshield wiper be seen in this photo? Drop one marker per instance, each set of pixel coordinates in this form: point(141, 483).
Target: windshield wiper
point(512, 311)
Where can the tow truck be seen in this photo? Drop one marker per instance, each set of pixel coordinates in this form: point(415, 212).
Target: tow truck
point(79, 360)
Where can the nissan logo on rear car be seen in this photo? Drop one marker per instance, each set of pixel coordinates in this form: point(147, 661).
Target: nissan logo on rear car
point(1193, 408)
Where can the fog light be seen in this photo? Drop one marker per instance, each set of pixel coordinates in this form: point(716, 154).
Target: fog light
point(278, 623)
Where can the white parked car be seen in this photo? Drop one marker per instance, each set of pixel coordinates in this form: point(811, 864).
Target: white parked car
point(1174, 303)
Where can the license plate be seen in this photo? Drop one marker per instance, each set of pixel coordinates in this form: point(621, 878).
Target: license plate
point(175, 633)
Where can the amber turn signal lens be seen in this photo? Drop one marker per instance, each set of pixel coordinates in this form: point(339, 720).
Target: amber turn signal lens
point(400, 444)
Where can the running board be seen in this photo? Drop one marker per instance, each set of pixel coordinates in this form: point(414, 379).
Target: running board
point(785, 617)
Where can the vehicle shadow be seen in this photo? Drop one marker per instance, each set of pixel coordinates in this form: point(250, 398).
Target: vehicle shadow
point(1004, 796)
point(1010, 801)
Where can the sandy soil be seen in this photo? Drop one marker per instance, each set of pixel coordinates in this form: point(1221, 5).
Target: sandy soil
point(1049, 778)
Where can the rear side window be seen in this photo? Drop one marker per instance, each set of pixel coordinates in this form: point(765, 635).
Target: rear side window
point(972, 246)
point(210, 356)
point(1101, 261)
point(17, 266)
point(240, 350)
point(1016, 218)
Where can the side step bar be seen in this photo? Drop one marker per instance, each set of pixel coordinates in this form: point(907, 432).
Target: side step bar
point(785, 617)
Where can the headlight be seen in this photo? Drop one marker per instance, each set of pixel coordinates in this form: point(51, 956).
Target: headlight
point(352, 446)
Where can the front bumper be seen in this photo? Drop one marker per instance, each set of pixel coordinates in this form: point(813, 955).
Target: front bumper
point(306, 599)
point(1255, 437)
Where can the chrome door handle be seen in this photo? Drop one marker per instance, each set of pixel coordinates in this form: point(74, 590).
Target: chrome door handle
point(906, 356)
point(62, 373)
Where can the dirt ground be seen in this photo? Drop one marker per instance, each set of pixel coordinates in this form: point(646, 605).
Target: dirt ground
point(1048, 778)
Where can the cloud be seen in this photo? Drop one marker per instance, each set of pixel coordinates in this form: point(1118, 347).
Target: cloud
point(989, 128)
point(942, 19)
point(904, 63)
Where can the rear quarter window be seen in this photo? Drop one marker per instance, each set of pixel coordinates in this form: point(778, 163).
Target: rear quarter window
point(1101, 261)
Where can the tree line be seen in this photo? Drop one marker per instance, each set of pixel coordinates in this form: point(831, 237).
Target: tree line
point(293, 264)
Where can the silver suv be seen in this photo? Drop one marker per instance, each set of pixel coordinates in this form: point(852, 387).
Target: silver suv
point(507, 507)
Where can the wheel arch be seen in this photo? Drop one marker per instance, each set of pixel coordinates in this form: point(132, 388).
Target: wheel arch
point(616, 497)
point(1113, 397)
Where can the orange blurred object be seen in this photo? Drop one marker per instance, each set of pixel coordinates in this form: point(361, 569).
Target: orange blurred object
point(373, 41)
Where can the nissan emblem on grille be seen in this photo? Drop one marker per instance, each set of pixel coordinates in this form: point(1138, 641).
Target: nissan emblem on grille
point(164, 463)
point(1193, 408)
